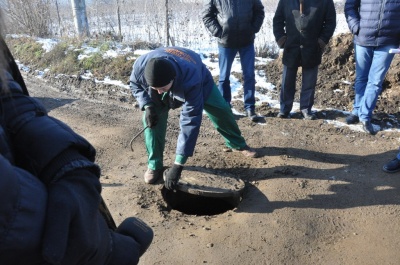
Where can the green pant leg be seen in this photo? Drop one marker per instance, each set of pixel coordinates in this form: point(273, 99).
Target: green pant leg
point(221, 116)
point(155, 140)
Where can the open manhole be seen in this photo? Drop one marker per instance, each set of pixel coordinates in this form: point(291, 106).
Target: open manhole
point(203, 192)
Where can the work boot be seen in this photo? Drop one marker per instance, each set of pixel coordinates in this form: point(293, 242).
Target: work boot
point(308, 115)
point(151, 176)
point(392, 166)
point(368, 128)
point(252, 115)
point(247, 151)
point(352, 119)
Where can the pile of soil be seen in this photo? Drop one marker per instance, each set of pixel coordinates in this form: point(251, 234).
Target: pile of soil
point(336, 78)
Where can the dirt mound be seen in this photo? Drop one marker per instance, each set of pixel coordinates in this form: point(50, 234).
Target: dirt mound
point(336, 78)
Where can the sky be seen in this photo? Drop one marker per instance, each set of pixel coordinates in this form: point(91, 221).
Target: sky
point(236, 86)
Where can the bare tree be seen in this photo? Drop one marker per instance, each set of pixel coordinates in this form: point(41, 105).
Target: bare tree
point(30, 17)
point(119, 21)
point(59, 18)
point(80, 18)
point(167, 22)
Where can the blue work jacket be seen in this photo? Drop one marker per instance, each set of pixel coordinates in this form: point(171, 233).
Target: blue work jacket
point(191, 88)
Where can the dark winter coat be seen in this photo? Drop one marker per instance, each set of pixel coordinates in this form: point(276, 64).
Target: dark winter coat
point(191, 88)
point(47, 172)
point(374, 22)
point(27, 165)
point(317, 21)
point(233, 22)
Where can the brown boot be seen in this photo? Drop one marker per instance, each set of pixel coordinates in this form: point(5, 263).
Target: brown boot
point(247, 151)
point(151, 176)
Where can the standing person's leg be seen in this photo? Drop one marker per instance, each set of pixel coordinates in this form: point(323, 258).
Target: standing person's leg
point(220, 114)
point(226, 57)
point(155, 142)
point(288, 89)
point(379, 67)
point(308, 83)
point(393, 165)
point(363, 58)
point(247, 61)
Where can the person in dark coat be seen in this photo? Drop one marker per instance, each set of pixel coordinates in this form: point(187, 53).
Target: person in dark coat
point(302, 28)
point(235, 23)
point(173, 77)
point(375, 25)
point(50, 189)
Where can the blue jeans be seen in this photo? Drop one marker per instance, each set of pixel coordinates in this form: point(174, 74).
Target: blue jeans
point(372, 64)
point(288, 89)
point(247, 60)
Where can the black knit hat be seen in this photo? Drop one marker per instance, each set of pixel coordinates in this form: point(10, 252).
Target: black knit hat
point(159, 72)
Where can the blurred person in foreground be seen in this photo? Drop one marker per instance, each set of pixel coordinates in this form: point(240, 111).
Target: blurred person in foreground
point(173, 77)
point(50, 188)
point(302, 29)
point(375, 25)
point(235, 24)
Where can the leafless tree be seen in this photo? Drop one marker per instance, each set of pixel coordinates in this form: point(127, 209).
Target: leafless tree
point(167, 22)
point(58, 17)
point(29, 17)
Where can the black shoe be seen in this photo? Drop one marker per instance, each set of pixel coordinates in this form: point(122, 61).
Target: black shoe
point(368, 128)
point(392, 166)
point(308, 115)
point(352, 119)
point(252, 115)
point(283, 115)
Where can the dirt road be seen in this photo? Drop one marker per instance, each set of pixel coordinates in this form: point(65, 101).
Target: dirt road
point(316, 196)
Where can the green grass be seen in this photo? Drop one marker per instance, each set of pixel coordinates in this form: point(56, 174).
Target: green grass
point(63, 58)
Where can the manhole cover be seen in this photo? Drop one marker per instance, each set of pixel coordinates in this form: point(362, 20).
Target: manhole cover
point(204, 182)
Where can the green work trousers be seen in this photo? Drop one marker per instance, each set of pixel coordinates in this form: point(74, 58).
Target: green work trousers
point(220, 114)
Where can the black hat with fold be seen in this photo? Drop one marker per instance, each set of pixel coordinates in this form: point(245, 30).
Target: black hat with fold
point(159, 72)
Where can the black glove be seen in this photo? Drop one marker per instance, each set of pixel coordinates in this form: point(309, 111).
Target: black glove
point(151, 116)
point(172, 176)
point(138, 230)
point(281, 42)
point(130, 241)
point(75, 232)
point(321, 44)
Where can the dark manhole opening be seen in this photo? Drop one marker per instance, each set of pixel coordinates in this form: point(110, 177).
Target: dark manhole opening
point(204, 192)
point(196, 204)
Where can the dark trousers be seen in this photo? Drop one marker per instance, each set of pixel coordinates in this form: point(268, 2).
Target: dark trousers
point(288, 89)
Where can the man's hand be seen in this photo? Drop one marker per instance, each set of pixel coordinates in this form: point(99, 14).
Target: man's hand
point(75, 232)
point(151, 116)
point(172, 176)
point(322, 44)
point(281, 42)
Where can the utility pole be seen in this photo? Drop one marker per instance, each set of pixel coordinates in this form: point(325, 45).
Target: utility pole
point(80, 18)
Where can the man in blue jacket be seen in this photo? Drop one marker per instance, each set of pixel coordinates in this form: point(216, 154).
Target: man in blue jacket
point(375, 25)
point(50, 189)
point(235, 23)
point(173, 77)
